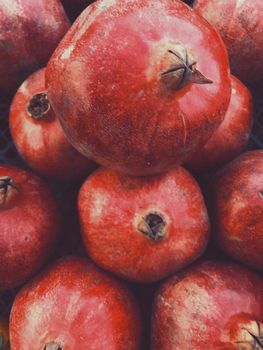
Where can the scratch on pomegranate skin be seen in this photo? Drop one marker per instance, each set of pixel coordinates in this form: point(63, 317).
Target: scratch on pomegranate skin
point(67, 52)
point(182, 116)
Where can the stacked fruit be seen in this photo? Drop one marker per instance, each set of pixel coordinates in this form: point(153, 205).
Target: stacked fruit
point(135, 93)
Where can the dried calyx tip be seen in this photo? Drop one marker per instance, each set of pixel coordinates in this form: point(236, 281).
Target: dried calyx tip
point(183, 70)
point(6, 185)
point(153, 226)
point(38, 106)
point(53, 346)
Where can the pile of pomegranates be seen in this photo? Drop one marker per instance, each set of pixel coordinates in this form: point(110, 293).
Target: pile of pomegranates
point(131, 217)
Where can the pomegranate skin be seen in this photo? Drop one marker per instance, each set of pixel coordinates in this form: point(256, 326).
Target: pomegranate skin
point(30, 31)
point(143, 229)
point(30, 225)
point(117, 103)
point(240, 25)
point(39, 138)
point(231, 137)
point(236, 198)
point(77, 306)
point(213, 306)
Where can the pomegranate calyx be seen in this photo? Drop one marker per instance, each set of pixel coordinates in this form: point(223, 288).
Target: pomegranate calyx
point(153, 226)
point(183, 70)
point(255, 341)
point(38, 105)
point(7, 187)
point(53, 346)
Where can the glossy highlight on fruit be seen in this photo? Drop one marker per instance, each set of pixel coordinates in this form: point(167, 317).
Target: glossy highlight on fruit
point(212, 306)
point(75, 305)
point(142, 97)
point(143, 229)
point(30, 225)
point(30, 31)
point(38, 135)
point(237, 205)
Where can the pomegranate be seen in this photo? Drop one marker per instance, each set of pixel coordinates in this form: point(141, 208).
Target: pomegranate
point(38, 136)
point(30, 225)
point(232, 136)
point(30, 31)
point(74, 305)
point(237, 200)
point(240, 25)
point(144, 103)
point(143, 229)
point(213, 306)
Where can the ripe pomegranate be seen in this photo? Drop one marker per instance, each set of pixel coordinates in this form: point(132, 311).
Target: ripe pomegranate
point(30, 225)
point(142, 105)
point(143, 229)
point(38, 136)
point(30, 31)
point(213, 306)
point(240, 25)
point(74, 305)
point(4, 335)
point(237, 200)
point(231, 137)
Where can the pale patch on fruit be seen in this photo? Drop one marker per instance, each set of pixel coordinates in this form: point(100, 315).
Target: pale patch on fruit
point(24, 89)
point(73, 305)
point(33, 135)
point(99, 203)
point(240, 3)
point(67, 52)
point(233, 91)
point(10, 8)
point(89, 16)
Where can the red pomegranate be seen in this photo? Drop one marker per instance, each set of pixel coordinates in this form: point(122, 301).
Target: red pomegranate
point(240, 25)
point(30, 225)
point(142, 96)
point(74, 305)
point(231, 137)
point(30, 31)
point(213, 306)
point(237, 201)
point(38, 136)
point(143, 229)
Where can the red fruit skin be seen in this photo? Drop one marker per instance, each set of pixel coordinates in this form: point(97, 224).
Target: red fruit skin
point(240, 25)
point(112, 102)
point(42, 142)
point(78, 306)
point(113, 208)
point(231, 137)
point(74, 7)
point(212, 306)
point(30, 226)
point(236, 199)
point(30, 31)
